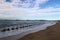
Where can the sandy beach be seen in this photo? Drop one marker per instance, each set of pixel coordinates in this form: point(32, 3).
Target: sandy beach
point(51, 33)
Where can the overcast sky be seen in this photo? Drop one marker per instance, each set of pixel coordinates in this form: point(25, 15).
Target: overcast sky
point(30, 9)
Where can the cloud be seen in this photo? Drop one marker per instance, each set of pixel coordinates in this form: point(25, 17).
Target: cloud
point(8, 11)
point(19, 3)
point(37, 2)
point(28, 13)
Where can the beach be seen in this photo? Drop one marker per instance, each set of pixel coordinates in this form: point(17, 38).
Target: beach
point(29, 32)
point(50, 33)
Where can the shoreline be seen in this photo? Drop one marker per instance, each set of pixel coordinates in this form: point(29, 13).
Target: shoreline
point(50, 33)
point(25, 33)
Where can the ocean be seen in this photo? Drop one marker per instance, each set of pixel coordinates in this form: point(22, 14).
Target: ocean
point(8, 23)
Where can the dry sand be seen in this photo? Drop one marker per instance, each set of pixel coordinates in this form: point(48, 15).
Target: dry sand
point(51, 33)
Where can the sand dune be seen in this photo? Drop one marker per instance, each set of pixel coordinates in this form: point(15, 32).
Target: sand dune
point(51, 33)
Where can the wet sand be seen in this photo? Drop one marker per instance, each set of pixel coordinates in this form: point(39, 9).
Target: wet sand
point(51, 33)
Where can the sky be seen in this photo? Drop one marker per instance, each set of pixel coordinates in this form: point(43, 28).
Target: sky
point(30, 9)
